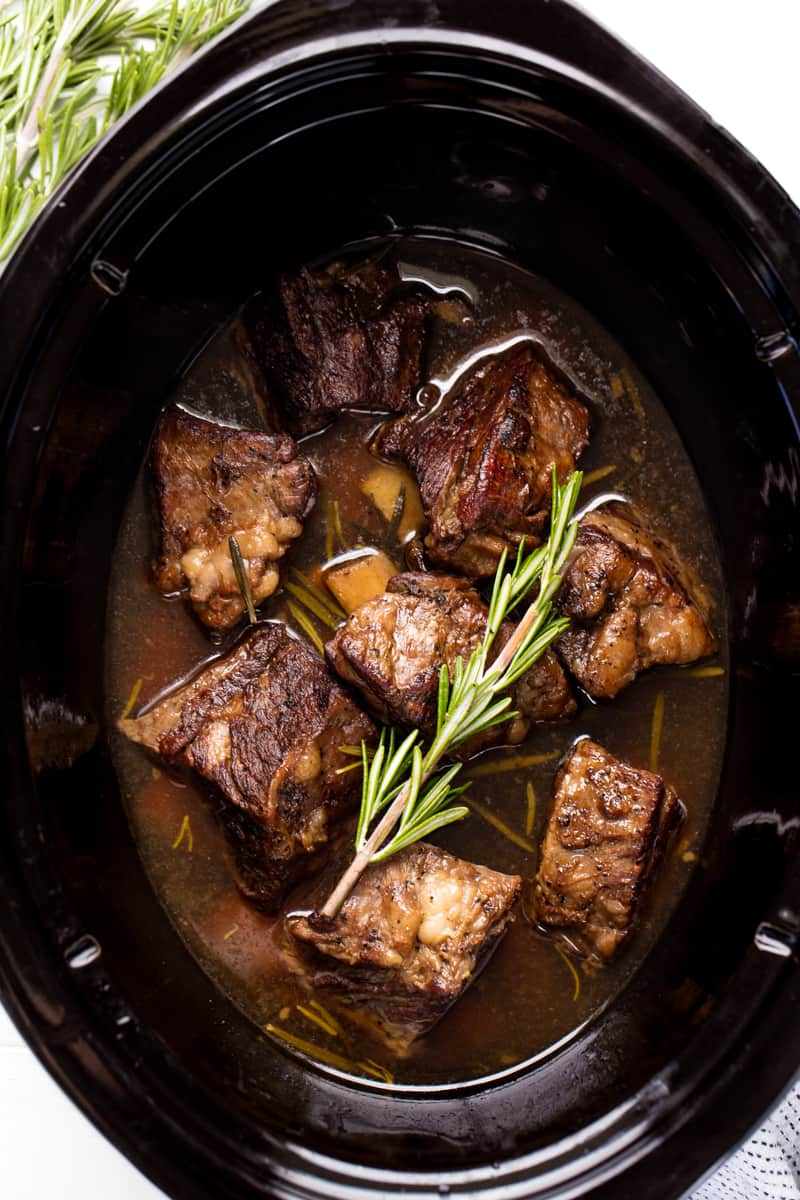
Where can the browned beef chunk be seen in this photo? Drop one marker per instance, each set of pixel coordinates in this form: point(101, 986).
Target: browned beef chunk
point(335, 339)
point(483, 460)
point(544, 693)
point(630, 610)
point(606, 833)
point(213, 481)
point(409, 938)
point(264, 724)
point(393, 647)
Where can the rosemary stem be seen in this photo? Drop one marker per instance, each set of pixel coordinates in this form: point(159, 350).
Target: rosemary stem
point(373, 843)
point(28, 135)
point(180, 58)
point(513, 644)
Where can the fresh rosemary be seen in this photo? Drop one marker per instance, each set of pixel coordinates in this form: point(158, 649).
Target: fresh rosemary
point(406, 782)
point(68, 70)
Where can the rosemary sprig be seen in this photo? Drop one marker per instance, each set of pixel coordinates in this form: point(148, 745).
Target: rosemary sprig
point(407, 783)
point(68, 70)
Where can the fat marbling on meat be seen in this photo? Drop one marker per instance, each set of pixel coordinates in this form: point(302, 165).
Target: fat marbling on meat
point(628, 606)
point(215, 480)
point(340, 338)
point(409, 938)
point(392, 649)
point(606, 832)
point(484, 458)
point(264, 724)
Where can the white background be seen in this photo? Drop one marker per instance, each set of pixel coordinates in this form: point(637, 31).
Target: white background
point(738, 61)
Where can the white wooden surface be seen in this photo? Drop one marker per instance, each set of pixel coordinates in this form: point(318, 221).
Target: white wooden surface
point(47, 1147)
point(739, 62)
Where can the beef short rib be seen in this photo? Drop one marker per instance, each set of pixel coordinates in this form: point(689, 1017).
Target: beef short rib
point(484, 459)
point(264, 723)
point(629, 608)
point(409, 939)
point(213, 481)
point(340, 338)
point(606, 833)
point(393, 647)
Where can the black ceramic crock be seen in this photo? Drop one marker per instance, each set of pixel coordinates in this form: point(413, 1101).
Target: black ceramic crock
point(521, 127)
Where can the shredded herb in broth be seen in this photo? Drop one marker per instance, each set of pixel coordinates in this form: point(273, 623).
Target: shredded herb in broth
point(530, 817)
point(511, 762)
point(531, 995)
point(573, 972)
point(486, 814)
point(656, 728)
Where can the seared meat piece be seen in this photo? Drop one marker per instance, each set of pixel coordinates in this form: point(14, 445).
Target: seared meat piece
point(630, 610)
point(393, 646)
point(264, 724)
point(483, 461)
point(410, 937)
point(544, 693)
point(213, 481)
point(607, 831)
point(392, 649)
point(333, 340)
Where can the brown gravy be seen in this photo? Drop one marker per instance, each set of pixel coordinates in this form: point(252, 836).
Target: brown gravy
point(530, 997)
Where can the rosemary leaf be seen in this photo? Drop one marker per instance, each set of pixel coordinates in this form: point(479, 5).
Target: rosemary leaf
point(303, 622)
point(242, 582)
point(576, 979)
point(344, 545)
point(346, 770)
point(353, 751)
point(324, 598)
point(514, 762)
point(530, 816)
point(418, 830)
point(655, 732)
point(489, 817)
point(309, 601)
